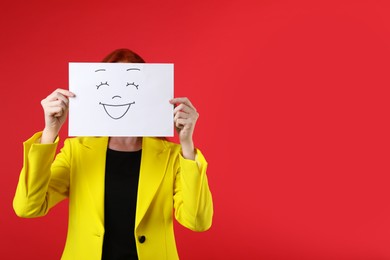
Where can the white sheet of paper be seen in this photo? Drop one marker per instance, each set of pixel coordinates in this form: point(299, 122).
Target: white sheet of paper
point(121, 99)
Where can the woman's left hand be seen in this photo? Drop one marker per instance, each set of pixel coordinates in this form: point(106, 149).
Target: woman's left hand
point(185, 117)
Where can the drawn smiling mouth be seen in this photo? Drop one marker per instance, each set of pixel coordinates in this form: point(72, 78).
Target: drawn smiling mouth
point(116, 111)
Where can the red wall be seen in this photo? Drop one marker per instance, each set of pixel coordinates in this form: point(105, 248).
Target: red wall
point(294, 115)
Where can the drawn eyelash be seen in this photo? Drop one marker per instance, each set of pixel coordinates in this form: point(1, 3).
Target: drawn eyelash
point(132, 84)
point(102, 84)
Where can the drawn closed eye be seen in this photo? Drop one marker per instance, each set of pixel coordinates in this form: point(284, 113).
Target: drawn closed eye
point(132, 84)
point(102, 84)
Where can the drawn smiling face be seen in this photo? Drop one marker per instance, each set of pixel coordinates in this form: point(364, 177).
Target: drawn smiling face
point(118, 105)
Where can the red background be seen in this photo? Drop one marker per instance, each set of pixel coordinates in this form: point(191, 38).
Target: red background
point(294, 116)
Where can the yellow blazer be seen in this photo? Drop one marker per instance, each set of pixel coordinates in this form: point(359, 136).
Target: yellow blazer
point(167, 183)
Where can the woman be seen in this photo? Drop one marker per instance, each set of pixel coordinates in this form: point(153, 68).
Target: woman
point(122, 190)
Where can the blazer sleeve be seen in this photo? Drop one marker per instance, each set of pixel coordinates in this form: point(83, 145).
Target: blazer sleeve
point(192, 197)
point(42, 183)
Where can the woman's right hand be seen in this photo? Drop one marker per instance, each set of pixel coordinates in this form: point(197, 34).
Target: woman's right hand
point(55, 107)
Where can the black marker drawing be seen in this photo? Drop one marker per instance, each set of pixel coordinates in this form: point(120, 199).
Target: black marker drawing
point(117, 111)
point(102, 84)
point(132, 84)
point(111, 109)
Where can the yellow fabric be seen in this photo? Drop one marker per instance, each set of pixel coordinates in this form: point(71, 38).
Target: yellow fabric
point(168, 183)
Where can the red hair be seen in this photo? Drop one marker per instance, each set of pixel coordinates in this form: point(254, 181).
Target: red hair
point(123, 55)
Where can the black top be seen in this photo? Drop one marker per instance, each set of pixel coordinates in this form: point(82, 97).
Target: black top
point(120, 200)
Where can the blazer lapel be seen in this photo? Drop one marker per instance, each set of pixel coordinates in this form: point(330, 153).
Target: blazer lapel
point(154, 162)
point(94, 165)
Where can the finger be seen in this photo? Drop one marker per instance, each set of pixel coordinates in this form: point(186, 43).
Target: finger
point(180, 123)
point(56, 103)
point(182, 100)
point(65, 92)
point(62, 98)
point(183, 108)
point(191, 118)
point(186, 109)
point(55, 111)
point(54, 99)
point(185, 124)
point(181, 115)
point(60, 94)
